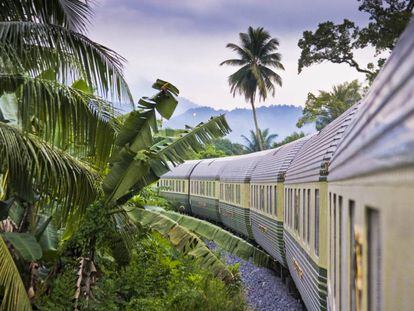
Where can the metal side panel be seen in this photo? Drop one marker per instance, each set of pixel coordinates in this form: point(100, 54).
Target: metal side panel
point(206, 208)
point(177, 199)
point(236, 218)
point(268, 233)
point(310, 279)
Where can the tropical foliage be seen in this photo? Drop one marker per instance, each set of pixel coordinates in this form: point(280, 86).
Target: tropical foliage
point(256, 78)
point(252, 144)
point(327, 106)
point(288, 139)
point(337, 43)
point(157, 278)
point(69, 161)
point(219, 148)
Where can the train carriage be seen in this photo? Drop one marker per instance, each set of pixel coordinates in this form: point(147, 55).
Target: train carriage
point(305, 213)
point(371, 195)
point(204, 192)
point(175, 185)
point(234, 204)
point(267, 197)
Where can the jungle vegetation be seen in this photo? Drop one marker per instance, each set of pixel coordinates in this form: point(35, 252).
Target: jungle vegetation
point(71, 166)
point(325, 107)
point(252, 143)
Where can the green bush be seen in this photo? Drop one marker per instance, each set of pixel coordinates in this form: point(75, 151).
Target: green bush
point(157, 278)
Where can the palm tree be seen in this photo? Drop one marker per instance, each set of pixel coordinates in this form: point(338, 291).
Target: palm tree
point(252, 143)
point(58, 128)
point(258, 55)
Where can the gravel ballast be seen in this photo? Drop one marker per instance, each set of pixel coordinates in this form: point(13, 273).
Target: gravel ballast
point(264, 290)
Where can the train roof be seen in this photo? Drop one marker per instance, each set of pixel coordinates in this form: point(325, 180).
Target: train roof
point(382, 136)
point(210, 168)
point(312, 161)
point(181, 171)
point(272, 167)
point(240, 168)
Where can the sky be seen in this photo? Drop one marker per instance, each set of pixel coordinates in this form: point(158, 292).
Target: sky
point(183, 42)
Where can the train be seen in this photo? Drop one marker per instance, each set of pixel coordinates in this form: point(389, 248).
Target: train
point(335, 209)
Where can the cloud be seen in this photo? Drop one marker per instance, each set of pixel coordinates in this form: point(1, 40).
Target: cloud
point(184, 42)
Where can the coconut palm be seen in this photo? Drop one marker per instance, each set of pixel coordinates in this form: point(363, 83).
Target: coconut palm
point(252, 143)
point(255, 79)
point(58, 128)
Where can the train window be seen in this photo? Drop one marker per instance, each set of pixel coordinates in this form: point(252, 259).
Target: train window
point(270, 200)
point(262, 197)
point(291, 208)
point(252, 196)
point(304, 214)
point(374, 259)
point(288, 209)
point(352, 259)
point(316, 222)
point(275, 199)
point(255, 197)
point(308, 204)
point(296, 211)
point(331, 256)
point(334, 245)
point(271, 208)
point(285, 206)
point(340, 235)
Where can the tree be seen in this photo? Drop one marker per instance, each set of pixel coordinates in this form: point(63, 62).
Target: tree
point(288, 139)
point(229, 148)
point(252, 143)
point(327, 106)
point(258, 55)
point(53, 130)
point(337, 43)
point(58, 130)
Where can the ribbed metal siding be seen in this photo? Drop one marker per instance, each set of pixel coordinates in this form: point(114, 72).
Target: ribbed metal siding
point(312, 161)
point(272, 167)
point(240, 168)
point(181, 171)
point(312, 284)
point(210, 169)
point(177, 199)
point(383, 135)
point(205, 208)
point(268, 233)
point(236, 218)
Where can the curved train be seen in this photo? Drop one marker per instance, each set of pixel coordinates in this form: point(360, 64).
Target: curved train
point(334, 208)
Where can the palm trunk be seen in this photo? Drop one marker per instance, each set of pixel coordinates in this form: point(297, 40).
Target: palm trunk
point(258, 134)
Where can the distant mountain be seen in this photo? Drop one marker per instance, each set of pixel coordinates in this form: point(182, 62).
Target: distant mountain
point(280, 119)
point(184, 104)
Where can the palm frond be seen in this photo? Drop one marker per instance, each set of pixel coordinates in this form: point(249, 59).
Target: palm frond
point(135, 169)
point(103, 66)
point(33, 165)
point(71, 14)
point(13, 294)
point(224, 239)
point(234, 62)
point(185, 241)
point(82, 123)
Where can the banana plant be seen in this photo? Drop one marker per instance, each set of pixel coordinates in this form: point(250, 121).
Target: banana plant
point(166, 223)
point(137, 161)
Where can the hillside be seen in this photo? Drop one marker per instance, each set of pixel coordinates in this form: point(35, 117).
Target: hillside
point(280, 119)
